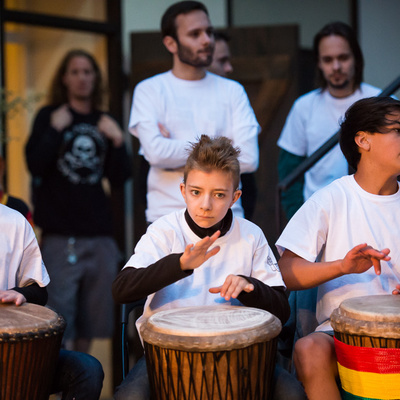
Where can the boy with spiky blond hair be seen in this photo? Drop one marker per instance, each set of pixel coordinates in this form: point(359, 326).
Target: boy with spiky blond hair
point(202, 255)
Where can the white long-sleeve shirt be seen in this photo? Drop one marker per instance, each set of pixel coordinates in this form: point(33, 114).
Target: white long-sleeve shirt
point(214, 106)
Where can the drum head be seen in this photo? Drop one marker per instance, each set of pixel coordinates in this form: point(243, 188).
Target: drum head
point(210, 328)
point(28, 319)
point(377, 316)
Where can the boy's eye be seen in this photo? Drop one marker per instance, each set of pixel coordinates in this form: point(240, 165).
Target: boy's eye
point(219, 195)
point(195, 192)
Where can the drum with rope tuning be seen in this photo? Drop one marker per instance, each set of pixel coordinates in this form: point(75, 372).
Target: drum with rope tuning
point(211, 352)
point(30, 341)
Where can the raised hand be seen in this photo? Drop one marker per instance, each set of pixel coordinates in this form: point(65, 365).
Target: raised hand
point(362, 257)
point(232, 287)
point(196, 254)
point(60, 118)
point(111, 130)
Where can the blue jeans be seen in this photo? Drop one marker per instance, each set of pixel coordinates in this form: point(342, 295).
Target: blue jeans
point(78, 376)
point(136, 385)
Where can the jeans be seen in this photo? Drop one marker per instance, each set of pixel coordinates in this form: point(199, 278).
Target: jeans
point(136, 385)
point(79, 376)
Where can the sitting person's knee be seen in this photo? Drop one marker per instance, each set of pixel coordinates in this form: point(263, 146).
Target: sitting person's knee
point(312, 352)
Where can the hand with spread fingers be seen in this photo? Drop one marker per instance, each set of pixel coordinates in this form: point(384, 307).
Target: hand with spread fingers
point(362, 257)
point(196, 254)
point(232, 287)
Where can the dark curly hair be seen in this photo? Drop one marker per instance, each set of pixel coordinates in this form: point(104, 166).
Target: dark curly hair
point(168, 26)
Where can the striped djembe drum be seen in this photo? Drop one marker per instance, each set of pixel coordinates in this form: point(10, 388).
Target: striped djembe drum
point(367, 344)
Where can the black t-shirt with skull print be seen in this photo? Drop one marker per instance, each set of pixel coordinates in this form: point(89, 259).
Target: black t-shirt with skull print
point(67, 170)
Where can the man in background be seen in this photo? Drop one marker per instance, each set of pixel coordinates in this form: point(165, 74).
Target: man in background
point(221, 65)
point(73, 148)
point(315, 116)
point(174, 108)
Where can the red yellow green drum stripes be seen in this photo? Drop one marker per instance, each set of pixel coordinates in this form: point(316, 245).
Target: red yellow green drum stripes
point(368, 373)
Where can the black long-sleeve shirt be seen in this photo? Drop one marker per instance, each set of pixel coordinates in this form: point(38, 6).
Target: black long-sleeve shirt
point(67, 170)
point(33, 293)
point(132, 284)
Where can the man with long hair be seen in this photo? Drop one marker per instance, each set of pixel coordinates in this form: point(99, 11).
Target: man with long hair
point(73, 146)
point(315, 116)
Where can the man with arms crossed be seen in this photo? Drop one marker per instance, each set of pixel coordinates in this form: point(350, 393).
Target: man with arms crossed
point(186, 102)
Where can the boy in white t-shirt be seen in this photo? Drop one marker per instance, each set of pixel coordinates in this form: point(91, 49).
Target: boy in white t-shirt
point(353, 223)
point(23, 279)
point(202, 255)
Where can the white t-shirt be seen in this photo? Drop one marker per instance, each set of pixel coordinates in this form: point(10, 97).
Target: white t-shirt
point(20, 258)
point(341, 216)
point(244, 250)
point(214, 106)
point(313, 119)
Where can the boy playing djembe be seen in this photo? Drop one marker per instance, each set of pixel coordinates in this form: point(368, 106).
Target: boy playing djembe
point(201, 255)
point(352, 223)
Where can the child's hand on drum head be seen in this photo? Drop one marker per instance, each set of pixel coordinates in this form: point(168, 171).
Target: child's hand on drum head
point(362, 257)
point(11, 296)
point(397, 290)
point(196, 254)
point(232, 287)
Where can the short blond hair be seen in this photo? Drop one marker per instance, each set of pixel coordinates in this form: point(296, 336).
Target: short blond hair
point(210, 154)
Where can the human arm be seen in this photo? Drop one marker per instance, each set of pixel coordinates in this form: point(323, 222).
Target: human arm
point(31, 294)
point(299, 273)
point(24, 276)
point(251, 292)
point(159, 147)
point(118, 165)
point(291, 198)
point(111, 130)
point(245, 130)
point(132, 284)
point(44, 142)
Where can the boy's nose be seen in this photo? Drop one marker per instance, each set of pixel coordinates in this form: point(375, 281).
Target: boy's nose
point(206, 203)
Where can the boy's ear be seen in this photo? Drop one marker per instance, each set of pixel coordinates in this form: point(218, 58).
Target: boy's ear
point(182, 187)
point(236, 196)
point(362, 140)
point(170, 44)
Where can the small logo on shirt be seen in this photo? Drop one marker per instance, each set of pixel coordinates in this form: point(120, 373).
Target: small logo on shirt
point(273, 265)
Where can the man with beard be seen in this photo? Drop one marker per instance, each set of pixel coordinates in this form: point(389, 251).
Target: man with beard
point(221, 65)
point(315, 116)
point(221, 62)
point(174, 108)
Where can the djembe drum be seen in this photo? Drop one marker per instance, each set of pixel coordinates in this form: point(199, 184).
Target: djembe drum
point(211, 352)
point(30, 340)
point(367, 344)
